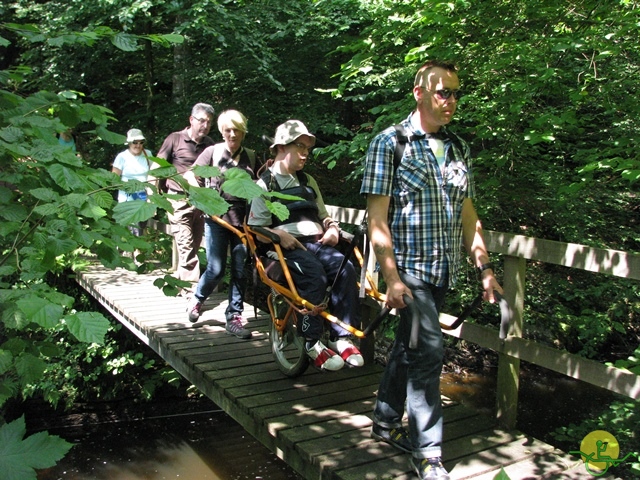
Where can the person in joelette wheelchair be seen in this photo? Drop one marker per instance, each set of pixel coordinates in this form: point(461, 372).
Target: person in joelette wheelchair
point(308, 237)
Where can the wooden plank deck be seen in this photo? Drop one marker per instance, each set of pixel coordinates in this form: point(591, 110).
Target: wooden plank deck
point(318, 423)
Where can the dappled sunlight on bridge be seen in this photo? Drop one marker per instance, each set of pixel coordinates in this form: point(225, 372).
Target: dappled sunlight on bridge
point(319, 423)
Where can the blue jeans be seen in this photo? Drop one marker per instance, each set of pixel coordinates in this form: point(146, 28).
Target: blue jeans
point(218, 241)
point(413, 375)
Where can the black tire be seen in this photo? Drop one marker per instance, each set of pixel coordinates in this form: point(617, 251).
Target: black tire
point(286, 345)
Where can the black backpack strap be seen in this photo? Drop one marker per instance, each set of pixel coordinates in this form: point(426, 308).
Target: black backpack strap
point(253, 161)
point(267, 177)
point(403, 139)
point(303, 178)
point(455, 140)
point(401, 143)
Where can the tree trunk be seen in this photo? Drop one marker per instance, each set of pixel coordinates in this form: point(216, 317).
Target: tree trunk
point(180, 55)
point(149, 80)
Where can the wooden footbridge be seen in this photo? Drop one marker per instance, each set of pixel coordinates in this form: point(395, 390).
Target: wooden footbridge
point(318, 423)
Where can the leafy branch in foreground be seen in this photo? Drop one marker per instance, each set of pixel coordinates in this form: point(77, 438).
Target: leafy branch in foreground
point(19, 456)
point(56, 212)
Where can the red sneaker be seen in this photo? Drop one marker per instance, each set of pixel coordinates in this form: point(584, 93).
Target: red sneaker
point(348, 351)
point(325, 358)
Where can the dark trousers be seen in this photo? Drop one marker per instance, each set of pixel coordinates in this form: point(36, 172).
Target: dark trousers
point(312, 272)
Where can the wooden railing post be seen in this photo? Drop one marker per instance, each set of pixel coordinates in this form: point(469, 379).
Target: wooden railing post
point(508, 366)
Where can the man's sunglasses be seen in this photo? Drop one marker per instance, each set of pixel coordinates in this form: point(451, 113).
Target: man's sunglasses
point(445, 93)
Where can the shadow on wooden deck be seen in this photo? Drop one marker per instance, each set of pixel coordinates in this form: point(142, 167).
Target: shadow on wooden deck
point(318, 423)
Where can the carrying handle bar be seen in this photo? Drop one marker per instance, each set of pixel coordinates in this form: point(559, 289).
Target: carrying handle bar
point(382, 315)
point(505, 315)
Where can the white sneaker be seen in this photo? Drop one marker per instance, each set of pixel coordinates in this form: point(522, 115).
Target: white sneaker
point(194, 309)
point(347, 351)
point(324, 358)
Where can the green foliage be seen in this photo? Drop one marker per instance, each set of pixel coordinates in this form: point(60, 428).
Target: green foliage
point(632, 363)
point(170, 285)
point(57, 212)
point(549, 107)
point(550, 110)
point(20, 457)
point(111, 369)
point(582, 313)
point(502, 475)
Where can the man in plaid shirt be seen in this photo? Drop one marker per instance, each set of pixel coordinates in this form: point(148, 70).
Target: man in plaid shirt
point(420, 214)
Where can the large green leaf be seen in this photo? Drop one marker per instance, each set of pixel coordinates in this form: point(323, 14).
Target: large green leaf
point(40, 311)
point(502, 475)
point(5, 194)
point(126, 42)
point(6, 360)
point(47, 209)
point(19, 456)
point(207, 200)
point(109, 136)
point(7, 228)
point(91, 210)
point(58, 246)
point(88, 326)
point(65, 177)
point(13, 317)
point(11, 134)
point(13, 213)
point(206, 171)
point(173, 38)
point(278, 209)
point(239, 184)
point(45, 194)
point(75, 200)
point(162, 163)
point(30, 368)
point(103, 199)
point(127, 213)
point(161, 202)
point(8, 388)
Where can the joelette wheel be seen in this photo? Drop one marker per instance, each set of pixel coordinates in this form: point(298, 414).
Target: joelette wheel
point(287, 346)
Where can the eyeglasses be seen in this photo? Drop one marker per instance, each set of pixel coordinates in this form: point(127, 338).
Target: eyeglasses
point(203, 120)
point(302, 147)
point(446, 93)
point(138, 142)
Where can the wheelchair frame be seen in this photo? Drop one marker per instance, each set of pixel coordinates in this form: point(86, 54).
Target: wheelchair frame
point(283, 300)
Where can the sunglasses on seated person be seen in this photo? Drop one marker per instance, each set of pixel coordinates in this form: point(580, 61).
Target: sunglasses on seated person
point(138, 142)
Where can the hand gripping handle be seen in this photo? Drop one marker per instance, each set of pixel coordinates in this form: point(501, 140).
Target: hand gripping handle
point(505, 314)
point(382, 315)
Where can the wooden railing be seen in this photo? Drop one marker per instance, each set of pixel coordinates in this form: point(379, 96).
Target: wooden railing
point(515, 251)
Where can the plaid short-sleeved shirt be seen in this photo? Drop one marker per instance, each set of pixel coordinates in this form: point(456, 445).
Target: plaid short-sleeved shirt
point(425, 211)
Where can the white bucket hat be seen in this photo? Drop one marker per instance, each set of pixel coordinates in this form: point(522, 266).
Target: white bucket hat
point(133, 135)
point(290, 131)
